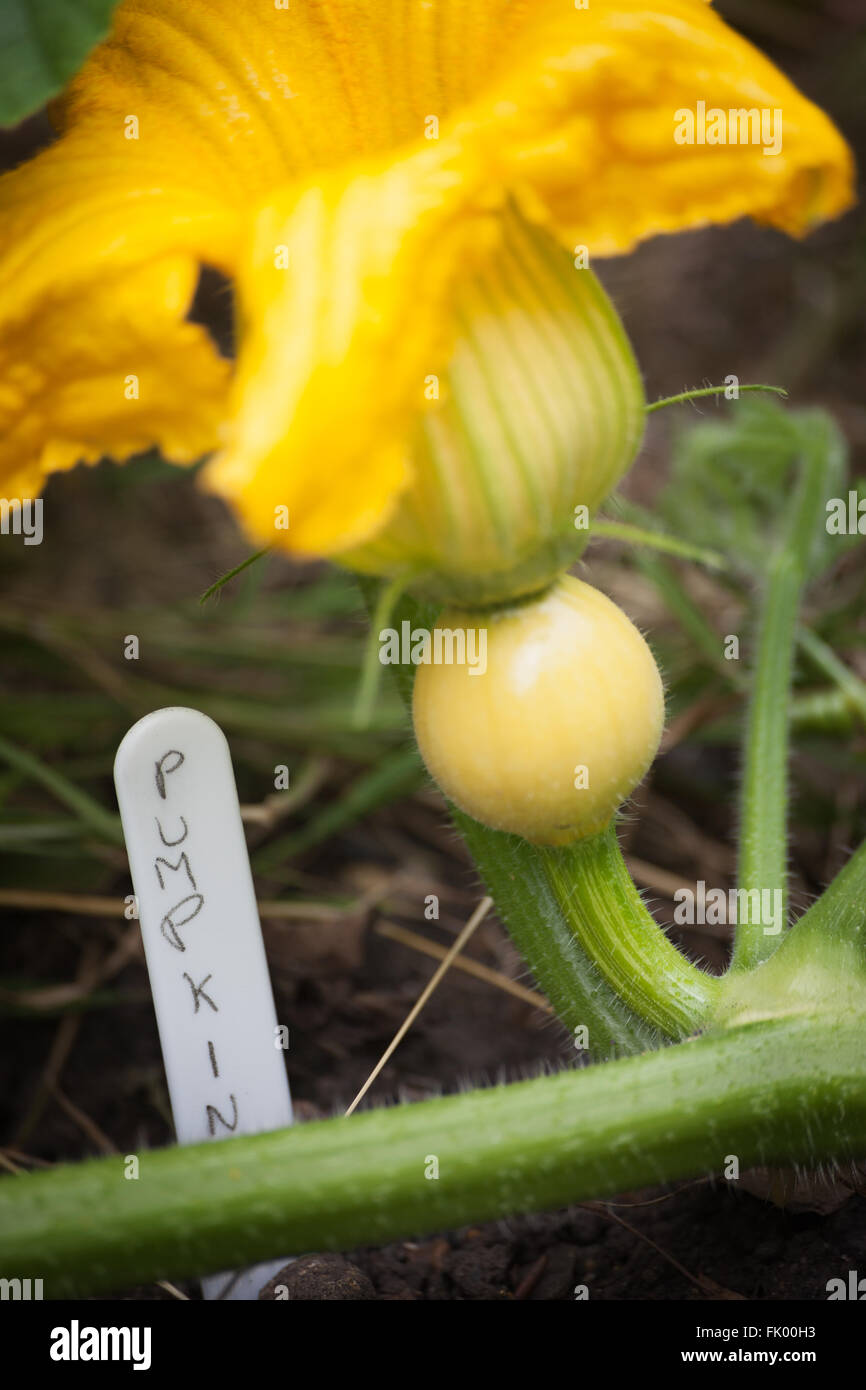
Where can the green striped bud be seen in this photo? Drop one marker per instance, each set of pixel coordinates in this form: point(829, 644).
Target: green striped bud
point(539, 414)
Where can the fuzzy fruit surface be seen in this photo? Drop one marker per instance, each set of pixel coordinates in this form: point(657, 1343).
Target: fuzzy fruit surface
point(558, 729)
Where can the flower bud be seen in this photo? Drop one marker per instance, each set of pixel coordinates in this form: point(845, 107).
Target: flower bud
point(551, 732)
point(534, 419)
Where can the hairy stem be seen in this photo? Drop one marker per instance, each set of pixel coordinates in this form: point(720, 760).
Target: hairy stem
point(787, 1090)
point(764, 796)
point(628, 947)
point(699, 392)
point(371, 669)
point(541, 921)
point(657, 540)
point(838, 919)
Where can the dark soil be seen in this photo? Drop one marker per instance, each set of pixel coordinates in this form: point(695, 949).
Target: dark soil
point(696, 1243)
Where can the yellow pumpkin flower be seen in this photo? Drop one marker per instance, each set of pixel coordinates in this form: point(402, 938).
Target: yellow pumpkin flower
point(362, 170)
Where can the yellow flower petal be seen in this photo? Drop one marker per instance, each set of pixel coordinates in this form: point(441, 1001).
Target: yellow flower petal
point(100, 246)
point(259, 94)
point(584, 120)
point(244, 114)
point(345, 304)
point(175, 130)
point(70, 394)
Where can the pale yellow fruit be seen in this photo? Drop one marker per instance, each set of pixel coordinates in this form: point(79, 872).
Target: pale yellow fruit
point(558, 730)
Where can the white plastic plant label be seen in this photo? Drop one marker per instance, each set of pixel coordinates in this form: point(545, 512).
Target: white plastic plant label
point(202, 939)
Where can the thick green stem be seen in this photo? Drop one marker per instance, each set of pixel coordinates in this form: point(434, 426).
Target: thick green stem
point(837, 921)
point(517, 877)
point(606, 912)
point(763, 864)
point(583, 929)
point(820, 967)
point(784, 1091)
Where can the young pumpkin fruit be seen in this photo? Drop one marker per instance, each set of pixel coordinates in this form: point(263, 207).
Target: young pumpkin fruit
point(550, 736)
